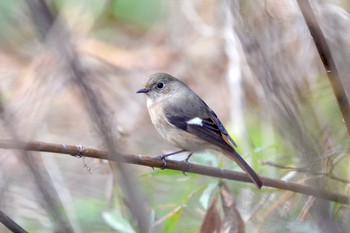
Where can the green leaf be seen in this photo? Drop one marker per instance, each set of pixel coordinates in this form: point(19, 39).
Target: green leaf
point(118, 222)
point(159, 172)
point(141, 13)
point(263, 149)
point(171, 222)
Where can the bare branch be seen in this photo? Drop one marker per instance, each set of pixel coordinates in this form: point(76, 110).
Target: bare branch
point(174, 165)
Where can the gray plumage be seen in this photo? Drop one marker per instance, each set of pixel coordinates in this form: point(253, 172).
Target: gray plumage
point(185, 120)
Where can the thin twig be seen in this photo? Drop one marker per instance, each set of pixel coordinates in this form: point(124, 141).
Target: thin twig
point(10, 224)
point(174, 165)
point(306, 170)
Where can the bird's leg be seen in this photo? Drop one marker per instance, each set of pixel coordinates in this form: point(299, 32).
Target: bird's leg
point(162, 157)
point(188, 163)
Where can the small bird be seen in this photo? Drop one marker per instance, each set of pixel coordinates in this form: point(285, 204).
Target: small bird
point(181, 117)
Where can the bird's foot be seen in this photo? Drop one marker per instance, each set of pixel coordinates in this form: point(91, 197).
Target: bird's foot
point(162, 157)
point(80, 151)
point(189, 165)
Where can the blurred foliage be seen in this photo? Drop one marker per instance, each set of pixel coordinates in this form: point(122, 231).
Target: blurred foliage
point(142, 14)
point(252, 61)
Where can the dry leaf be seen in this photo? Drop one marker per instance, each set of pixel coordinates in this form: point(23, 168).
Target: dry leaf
point(211, 222)
point(232, 222)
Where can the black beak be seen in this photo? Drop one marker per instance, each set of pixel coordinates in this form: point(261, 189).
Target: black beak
point(143, 90)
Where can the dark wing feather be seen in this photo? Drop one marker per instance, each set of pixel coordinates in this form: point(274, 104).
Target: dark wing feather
point(222, 129)
point(177, 120)
point(211, 130)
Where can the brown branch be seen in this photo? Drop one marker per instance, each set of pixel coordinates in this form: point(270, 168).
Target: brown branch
point(174, 165)
point(327, 59)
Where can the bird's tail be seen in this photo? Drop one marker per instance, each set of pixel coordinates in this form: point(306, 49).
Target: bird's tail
point(233, 154)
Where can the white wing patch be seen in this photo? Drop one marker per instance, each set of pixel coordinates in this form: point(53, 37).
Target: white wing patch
point(195, 121)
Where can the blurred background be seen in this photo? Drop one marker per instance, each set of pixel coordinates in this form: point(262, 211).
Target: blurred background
point(254, 62)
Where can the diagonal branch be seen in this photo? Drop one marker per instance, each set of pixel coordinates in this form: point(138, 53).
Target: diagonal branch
point(327, 59)
point(10, 224)
point(174, 165)
point(56, 34)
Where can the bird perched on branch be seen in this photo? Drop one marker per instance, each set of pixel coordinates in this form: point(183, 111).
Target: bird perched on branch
point(186, 121)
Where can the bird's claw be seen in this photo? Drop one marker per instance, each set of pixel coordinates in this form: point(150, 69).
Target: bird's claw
point(162, 157)
point(80, 151)
point(189, 165)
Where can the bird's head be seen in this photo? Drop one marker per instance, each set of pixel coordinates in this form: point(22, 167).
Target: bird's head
point(160, 86)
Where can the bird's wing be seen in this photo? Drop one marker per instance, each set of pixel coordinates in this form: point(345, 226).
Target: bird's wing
point(207, 126)
point(200, 121)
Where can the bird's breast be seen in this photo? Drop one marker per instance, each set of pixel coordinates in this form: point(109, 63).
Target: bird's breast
point(178, 137)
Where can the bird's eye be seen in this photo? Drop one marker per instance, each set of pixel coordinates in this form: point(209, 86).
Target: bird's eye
point(160, 85)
